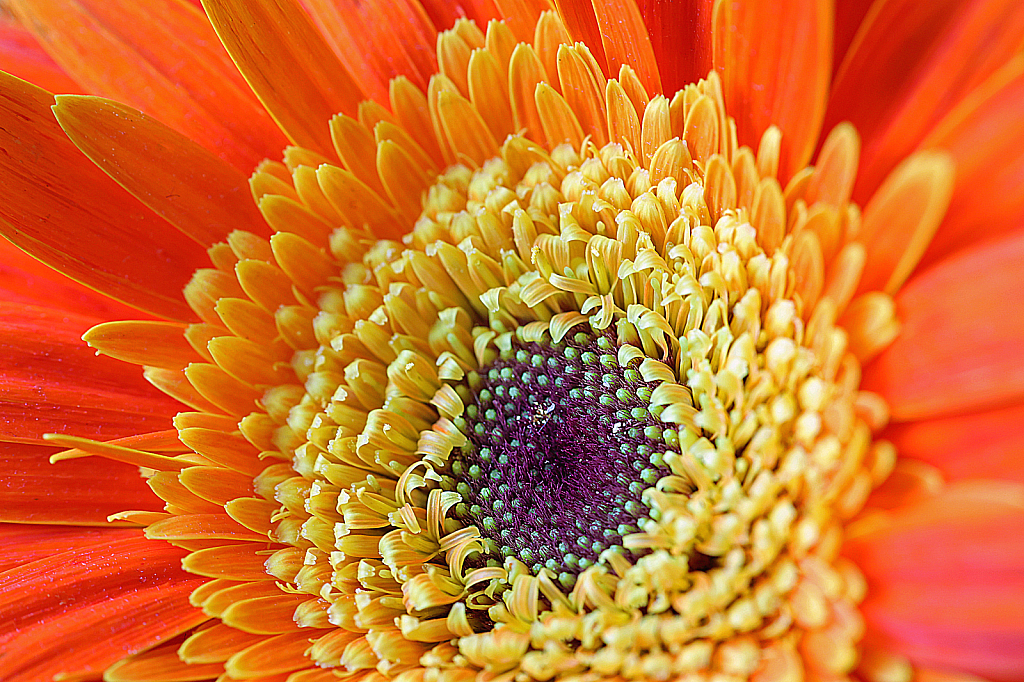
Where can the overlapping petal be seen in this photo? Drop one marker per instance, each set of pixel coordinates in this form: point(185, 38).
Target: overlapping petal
point(954, 370)
point(99, 602)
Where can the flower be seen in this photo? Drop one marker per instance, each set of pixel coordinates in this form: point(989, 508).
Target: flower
point(592, 376)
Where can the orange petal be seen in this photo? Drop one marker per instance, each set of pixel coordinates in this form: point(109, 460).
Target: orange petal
point(836, 168)
point(55, 198)
point(156, 344)
point(22, 56)
point(583, 88)
point(985, 136)
point(981, 445)
point(522, 15)
point(580, 21)
point(946, 578)
point(160, 665)
point(272, 615)
point(201, 527)
point(160, 57)
point(465, 130)
point(25, 543)
point(80, 611)
point(680, 32)
point(234, 562)
point(625, 40)
point(902, 217)
point(183, 183)
point(25, 280)
point(775, 61)
point(378, 41)
point(83, 492)
point(963, 337)
point(215, 644)
point(279, 654)
point(288, 65)
point(849, 17)
point(52, 383)
point(943, 50)
point(444, 13)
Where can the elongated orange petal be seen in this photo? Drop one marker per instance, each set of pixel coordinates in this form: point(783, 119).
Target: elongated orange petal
point(156, 344)
point(23, 56)
point(55, 197)
point(159, 665)
point(680, 33)
point(82, 492)
point(775, 61)
point(522, 15)
point(981, 445)
point(444, 13)
point(625, 40)
point(215, 644)
point(201, 527)
point(580, 22)
point(946, 578)
point(962, 344)
point(985, 136)
point(80, 611)
point(849, 18)
point(162, 58)
point(583, 88)
point(283, 653)
point(901, 218)
point(377, 41)
point(944, 49)
point(25, 280)
point(191, 188)
point(465, 130)
point(272, 615)
point(234, 562)
point(53, 383)
point(288, 65)
point(25, 543)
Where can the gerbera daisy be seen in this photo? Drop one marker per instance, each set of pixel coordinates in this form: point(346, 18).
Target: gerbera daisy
point(598, 341)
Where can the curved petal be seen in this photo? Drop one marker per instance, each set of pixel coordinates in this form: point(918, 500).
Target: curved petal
point(680, 32)
point(67, 213)
point(849, 17)
point(522, 15)
point(81, 492)
point(626, 42)
point(52, 382)
point(981, 445)
point(25, 280)
point(986, 139)
point(25, 543)
point(775, 59)
point(902, 217)
point(79, 611)
point(288, 65)
point(444, 13)
point(160, 664)
point(962, 344)
point(581, 23)
point(378, 40)
point(180, 181)
point(161, 57)
point(917, 60)
point(946, 579)
point(22, 56)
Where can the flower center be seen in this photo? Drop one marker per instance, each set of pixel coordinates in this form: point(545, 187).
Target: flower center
point(562, 442)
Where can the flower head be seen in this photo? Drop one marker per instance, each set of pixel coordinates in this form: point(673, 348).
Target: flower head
point(550, 356)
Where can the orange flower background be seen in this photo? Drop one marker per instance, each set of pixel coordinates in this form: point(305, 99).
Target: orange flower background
point(735, 191)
